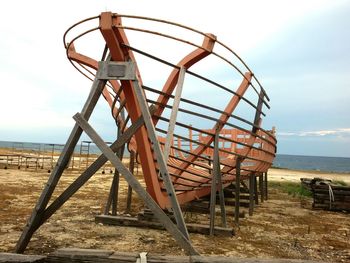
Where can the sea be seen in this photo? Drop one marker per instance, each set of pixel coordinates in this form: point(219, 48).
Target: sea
point(293, 162)
point(312, 163)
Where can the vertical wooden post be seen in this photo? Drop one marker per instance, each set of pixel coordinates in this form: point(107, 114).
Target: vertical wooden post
point(256, 194)
point(173, 114)
point(114, 191)
point(266, 187)
point(237, 192)
point(219, 189)
point(113, 195)
point(261, 186)
point(221, 197)
point(251, 193)
point(131, 169)
point(212, 204)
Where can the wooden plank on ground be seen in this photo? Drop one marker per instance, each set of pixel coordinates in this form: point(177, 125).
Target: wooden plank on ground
point(135, 222)
point(85, 255)
point(12, 257)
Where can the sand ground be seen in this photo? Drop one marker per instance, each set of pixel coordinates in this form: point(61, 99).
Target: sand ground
point(285, 226)
point(294, 176)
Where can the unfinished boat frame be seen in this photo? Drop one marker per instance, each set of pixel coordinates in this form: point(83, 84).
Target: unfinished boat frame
point(178, 166)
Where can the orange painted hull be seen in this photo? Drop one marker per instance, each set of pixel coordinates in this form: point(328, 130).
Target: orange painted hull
point(192, 146)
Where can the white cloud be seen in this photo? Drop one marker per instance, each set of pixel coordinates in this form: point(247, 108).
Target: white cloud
point(320, 133)
point(39, 85)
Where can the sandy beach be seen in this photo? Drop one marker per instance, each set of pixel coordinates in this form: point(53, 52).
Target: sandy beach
point(277, 174)
point(285, 223)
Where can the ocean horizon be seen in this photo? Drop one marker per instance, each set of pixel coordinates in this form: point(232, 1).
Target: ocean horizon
point(312, 163)
point(286, 161)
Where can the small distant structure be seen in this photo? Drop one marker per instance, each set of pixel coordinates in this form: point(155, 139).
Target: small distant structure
point(157, 76)
point(34, 156)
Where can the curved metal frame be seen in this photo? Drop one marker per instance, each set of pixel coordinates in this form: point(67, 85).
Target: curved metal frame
point(183, 173)
point(114, 34)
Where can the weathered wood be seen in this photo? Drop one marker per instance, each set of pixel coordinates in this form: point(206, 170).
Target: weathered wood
point(327, 195)
point(131, 169)
point(232, 202)
point(333, 207)
point(216, 185)
point(12, 257)
point(160, 158)
point(266, 187)
point(90, 171)
point(35, 219)
point(242, 190)
point(136, 222)
point(217, 172)
point(325, 191)
point(87, 255)
point(256, 194)
point(242, 196)
point(251, 193)
point(148, 215)
point(182, 240)
point(113, 195)
point(114, 191)
point(228, 196)
point(261, 187)
point(174, 112)
point(203, 208)
point(237, 193)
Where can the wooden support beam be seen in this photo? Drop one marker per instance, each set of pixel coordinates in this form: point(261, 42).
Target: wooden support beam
point(114, 191)
point(251, 193)
point(258, 112)
point(182, 240)
point(174, 112)
point(113, 195)
point(256, 194)
point(90, 171)
point(237, 193)
point(35, 219)
point(131, 169)
point(164, 174)
point(213, 189)
point(135, 222)
point(65, 255)
point(261, 187)
point(232, 201)
point(217, 173)
point(266, 187)
point(203, 208)
point(18, 258)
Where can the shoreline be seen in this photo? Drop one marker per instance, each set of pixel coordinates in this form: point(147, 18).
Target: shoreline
point(274, 173)
point(284, 174)
point(309, 171)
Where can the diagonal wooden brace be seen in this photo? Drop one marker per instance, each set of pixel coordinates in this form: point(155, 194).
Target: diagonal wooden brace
point(132, 181)
point(36, 217)
point(160, 159)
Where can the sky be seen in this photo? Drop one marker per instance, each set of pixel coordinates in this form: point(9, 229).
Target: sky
point(299, 50)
